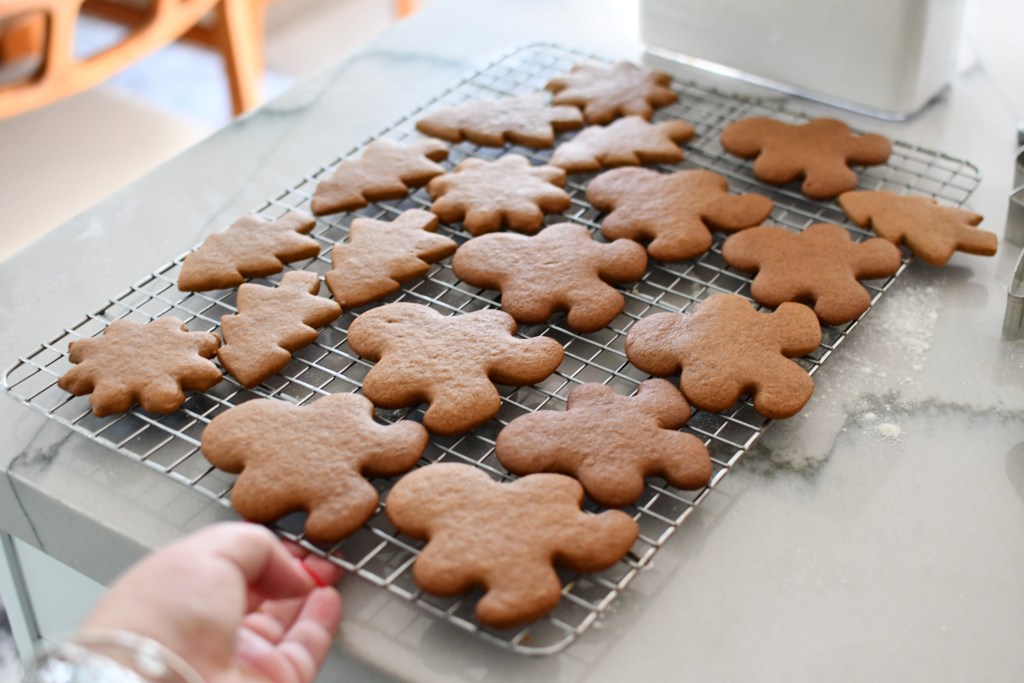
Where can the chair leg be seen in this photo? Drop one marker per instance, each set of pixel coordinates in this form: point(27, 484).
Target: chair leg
point(239, 37)
point(405, 8)
point(23, 37)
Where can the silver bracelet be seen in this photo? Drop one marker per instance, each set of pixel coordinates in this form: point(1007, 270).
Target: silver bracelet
point(109, 657)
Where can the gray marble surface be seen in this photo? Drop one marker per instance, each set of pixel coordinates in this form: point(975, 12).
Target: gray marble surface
point(877, 535)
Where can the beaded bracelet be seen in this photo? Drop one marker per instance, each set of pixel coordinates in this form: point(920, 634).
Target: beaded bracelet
point(109, 657)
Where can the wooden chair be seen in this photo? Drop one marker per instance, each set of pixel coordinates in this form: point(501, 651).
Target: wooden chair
point(45, 29)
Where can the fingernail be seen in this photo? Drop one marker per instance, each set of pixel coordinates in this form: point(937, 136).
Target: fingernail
point(320, 583)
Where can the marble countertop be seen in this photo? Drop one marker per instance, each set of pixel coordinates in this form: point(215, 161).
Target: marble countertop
point(877, 535)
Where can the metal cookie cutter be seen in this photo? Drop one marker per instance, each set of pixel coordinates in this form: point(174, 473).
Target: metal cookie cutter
point(1013, 321)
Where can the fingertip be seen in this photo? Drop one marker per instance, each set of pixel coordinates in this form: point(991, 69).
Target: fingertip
point(327, 571)
point(312, 574)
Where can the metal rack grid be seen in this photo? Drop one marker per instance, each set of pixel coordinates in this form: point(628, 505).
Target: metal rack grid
point(377, 552)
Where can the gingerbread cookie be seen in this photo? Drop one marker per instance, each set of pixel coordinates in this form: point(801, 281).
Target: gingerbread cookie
point(505, 538)
point(929, 230)
point(527, 121)
point(452, 363)
point(727, 349)
point(630, 141)
point(314, 458)
point(820, 151)
point(507, 192)
point(610, 442)
point(675, 211)
point(271, 323)
point(820, 267)
point(380, 256)
point(559, 269)
point(386, 170)
point(251, 247)
point(619, 89)
point(152, 363)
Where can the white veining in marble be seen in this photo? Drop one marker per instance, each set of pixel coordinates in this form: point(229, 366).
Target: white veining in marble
point(879, 535)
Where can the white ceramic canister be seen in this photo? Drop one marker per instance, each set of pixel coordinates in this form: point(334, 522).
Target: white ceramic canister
point(882, 57)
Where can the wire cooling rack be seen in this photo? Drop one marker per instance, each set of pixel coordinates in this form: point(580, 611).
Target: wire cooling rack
point(378, 553)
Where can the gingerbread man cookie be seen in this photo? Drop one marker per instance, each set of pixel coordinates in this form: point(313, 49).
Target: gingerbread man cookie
point(452, 362)
point(629, 141)
point(507, 192)
point(560, 268)
point(152, 363)
point(819, 151)
point(820, 266)
point(505, 538)
point(314, 458)
point(271, 323)
point(727, 349)
point(527, 121)
point(386, 170)
point(929, 230)
point(251, 247)
point(619, 89)
point(610, 442)
point(675, 211)
point(380, 256)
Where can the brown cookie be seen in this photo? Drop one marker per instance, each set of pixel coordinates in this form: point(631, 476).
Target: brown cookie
point(504, 538)
point(630, 141)
point(527, 121)
point(819, 267)
point(675, 211)
point(607, 91)
point(610, 442)
point(386, 170)
point(451, 362)
point(380, 256)
point(271, 323)
point(929, 230)
point(487, 195)
point(152, 363)
point(251, 247)
point(727, 349)
point(820, 151)
point(314, 458)
point(559, 269)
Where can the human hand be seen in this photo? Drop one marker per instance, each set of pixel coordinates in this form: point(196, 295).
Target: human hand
point(233, 601)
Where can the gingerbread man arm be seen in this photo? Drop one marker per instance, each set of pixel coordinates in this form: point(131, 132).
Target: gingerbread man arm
point(536, 357)
point(450, 403)
point(868, 149)
point(744, 249)
point(620, 262)
point(782, 390)
point(646, 347)
point(535, 585)
point(821, 177)
point(875, 258)
point(523, 446)
point(746, 137)
point(615, 530)
point(663, 402)
point(736, 212)
point(797, 329)
point(399, 379)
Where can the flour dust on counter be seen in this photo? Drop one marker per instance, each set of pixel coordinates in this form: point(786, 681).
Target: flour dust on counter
point(871, 382)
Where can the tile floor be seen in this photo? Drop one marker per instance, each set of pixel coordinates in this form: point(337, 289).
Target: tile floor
point(303, 37)
point(155, 109)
